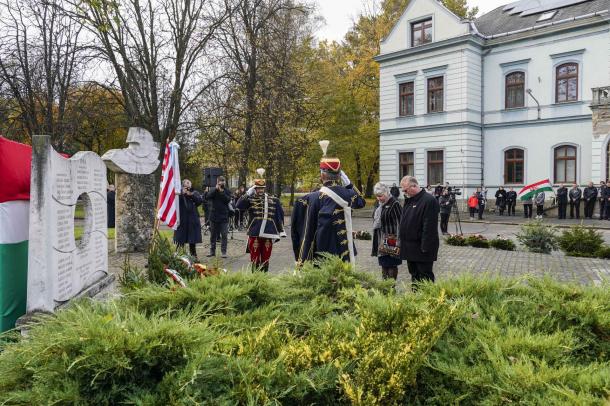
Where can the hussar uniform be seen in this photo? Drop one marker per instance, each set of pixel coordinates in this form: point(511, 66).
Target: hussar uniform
point(322, 220)
point(266, 223)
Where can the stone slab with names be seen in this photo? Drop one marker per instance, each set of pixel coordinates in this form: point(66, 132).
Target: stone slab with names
point(135, 183)
point(60, 267)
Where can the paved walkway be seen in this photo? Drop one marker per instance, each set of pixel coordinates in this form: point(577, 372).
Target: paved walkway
point(452, 260)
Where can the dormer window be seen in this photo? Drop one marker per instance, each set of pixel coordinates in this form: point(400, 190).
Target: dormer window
point(421, 32)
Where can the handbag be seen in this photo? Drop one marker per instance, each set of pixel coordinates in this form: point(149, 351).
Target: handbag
point(389, 246)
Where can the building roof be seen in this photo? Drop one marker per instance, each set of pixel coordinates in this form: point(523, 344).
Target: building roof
point(525, 14)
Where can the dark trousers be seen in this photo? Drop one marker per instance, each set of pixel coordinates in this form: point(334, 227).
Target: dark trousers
point(420, 271)
point(527, 210)
point(192, 249)
point(473, 210)
point(389, 272)
point(511, 208)
point(589, 208)
point(575, 208)
point(444, 222)
point(602, 209)
point(216, 230)
point(481, 210)
point(539, 209)
point(562, 210)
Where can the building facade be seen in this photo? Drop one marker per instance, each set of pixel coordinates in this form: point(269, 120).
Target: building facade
point(504, 100)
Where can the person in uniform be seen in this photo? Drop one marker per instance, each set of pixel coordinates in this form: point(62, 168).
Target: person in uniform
point(266, 222)
point(589, 196)
point(322, 220)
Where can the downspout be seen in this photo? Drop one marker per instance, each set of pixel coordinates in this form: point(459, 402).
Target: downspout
point(483, 55)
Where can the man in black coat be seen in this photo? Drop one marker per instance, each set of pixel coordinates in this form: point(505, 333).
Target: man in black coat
point(418, 231)
point(575, 194)
point(603, 199)
point(445, 203)
point(189, 230)
point(562, 201)
point(511, 201)
point(589, 196)
point(218, 201)
point(110, 204)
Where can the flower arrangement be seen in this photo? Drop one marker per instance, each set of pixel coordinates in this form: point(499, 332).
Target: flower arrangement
point(477, 241)
point(456, 240)
point(502, 243)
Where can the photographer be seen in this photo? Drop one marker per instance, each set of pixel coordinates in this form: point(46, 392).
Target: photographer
point(189, 230)
point(445, 201)
point(218, 200)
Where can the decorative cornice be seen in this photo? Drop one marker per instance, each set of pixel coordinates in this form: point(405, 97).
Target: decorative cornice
point(433, 46)
point(513, 63)
point(569, 53)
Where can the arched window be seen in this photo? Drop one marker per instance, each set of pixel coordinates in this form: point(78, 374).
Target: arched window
point(565, 164)
point(566, 83)
point(515, 90)
point(514, 164)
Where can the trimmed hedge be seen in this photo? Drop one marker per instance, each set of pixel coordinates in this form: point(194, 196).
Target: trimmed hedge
point(327, 335)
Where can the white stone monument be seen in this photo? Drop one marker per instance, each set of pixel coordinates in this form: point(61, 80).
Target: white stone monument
point(59, 267)
point(135, 183)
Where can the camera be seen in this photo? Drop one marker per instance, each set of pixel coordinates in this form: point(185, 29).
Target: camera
point(453, 192)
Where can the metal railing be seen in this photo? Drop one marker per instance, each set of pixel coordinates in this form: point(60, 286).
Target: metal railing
point(601, 95)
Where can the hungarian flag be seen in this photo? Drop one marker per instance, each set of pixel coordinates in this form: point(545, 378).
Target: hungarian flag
point(15, 167)
point(167, 206)
point(532, 190)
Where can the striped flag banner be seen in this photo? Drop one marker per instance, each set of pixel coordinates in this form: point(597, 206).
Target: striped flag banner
point(15, 167)
point(167, 207)
point(532, 190)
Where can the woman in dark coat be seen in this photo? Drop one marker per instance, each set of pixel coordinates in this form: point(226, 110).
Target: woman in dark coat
point(501, 200)
point(189, 230)
point(386, 221)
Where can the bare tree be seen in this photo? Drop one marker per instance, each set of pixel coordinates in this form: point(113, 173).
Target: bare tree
point(41, 58)
point(157, 50)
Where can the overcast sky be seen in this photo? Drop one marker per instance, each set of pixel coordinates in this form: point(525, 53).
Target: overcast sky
point(340, 14)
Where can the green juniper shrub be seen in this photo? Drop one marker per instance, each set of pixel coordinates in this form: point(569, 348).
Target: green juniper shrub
point(536, 236)
point(580, 241)
point(504, 244)
point(477, 241)
point(325, 335)
point(603, 252)
point(456, 240)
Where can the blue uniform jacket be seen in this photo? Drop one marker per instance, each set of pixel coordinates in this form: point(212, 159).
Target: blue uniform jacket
point(318, 224)
point(255, 205)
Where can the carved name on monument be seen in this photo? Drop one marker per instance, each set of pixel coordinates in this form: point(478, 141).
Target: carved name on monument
point(59, 267)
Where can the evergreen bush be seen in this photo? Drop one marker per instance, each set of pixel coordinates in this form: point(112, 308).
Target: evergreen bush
point(603, 252)
point(536, 236)
point(327, 335)
point(580, 241)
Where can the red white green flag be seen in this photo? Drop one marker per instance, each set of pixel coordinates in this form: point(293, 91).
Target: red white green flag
point(532, 190)
point(15, 161)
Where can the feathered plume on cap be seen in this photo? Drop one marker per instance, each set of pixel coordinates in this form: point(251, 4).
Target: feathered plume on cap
point(260, 181)
point(328, 164)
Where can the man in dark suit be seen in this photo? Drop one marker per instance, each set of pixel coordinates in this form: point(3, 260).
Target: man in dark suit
point(418, 231)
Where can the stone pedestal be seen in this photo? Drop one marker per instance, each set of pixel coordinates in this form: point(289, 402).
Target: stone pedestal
point(135, 211)
point(135, 183)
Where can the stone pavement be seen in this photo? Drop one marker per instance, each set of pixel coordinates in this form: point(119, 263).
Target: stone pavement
point(452, 261)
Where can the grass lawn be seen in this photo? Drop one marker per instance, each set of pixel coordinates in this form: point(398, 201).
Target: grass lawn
point(78, 233)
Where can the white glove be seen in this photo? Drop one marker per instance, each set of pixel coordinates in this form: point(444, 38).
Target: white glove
point(344, 179)
point(251, 191)
point(283, 234)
